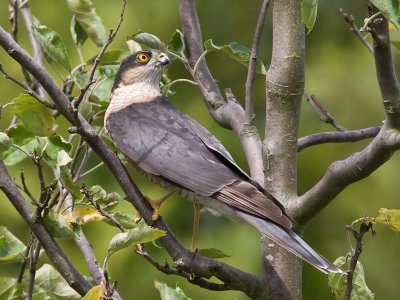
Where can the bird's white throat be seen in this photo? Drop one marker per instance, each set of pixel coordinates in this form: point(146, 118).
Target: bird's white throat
point(125, 95)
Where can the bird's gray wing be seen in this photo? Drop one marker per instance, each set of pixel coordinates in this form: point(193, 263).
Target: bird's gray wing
point(164, 142)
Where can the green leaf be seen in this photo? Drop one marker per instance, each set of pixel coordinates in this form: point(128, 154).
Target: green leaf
point(105, 200)
point(10, 288)
point(10, 246)
point(5, 142)
point(79, 35)
point(22, 138)
point(126, 220)
point(390, 9)
point(56, 151)
point(177, 42)
point(309, 13)
point(148, 40)
point(168, 293)
point(112, 57)
point(95, 293)
point(52, 45)
point(237, 52)
point(49, 280)
point(213, 253)
point(338, 282)
point(142, 233)
point(101, 90)
point(86, 16)
point(65, 178)
point(59, 227)
point(389, 217)
point(35, 117)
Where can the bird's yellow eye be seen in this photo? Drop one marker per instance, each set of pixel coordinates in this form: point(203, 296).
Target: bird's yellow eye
point(143, 57)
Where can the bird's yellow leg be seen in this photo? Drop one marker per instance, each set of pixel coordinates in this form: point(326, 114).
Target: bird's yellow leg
point(196, 223)
point(156, 204)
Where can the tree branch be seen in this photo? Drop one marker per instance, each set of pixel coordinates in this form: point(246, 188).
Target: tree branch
point(337, 137)
point(53, 251)
point(365, 226)
point(353, 27)
point(111, 36)
point(385, 72)
point(201, 266)
point(249, 101)
point(342, 173)
point(229, 114)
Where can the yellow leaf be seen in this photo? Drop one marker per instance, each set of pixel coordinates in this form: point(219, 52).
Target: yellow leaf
point(389, 217)
point(95, 293)
point(84, 215)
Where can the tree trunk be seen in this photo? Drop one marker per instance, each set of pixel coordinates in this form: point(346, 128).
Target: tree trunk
point(285, 86)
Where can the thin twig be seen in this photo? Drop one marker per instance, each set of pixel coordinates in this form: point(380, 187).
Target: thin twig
point(358, 235)
point(32, 268)
point(26, 190)
point(89, 171)
point(368, 21)
point(353, 27)
point(337, 137)
point(322, 113)
point(28, 90)
point(85, 191)
point(166, 269)
point(25, 257)
point(249, 98)
point(109, 40)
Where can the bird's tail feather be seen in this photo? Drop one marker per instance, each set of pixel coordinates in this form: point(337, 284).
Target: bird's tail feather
point(291, 242)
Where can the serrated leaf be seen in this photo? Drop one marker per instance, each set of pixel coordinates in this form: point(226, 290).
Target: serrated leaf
point(338, 282)
point(65, 178)
point(111, 57)
point(95, 293)
point(52, 45)
point(309, 13)
point(86, 16)
point(213, 253)
point(5, 142)
point(389, 217)
point(35, 117)
point(236, 51)
point(142, 233)
point(84, 215)
point(10, 245)
point(148, 40)
point(49, 280)
point(126, 220)
point(79, 35)
point(22, 138)
point(390, 9)
point(59, 226)
point(168, 293)
point(177, 42)
point(55, 151)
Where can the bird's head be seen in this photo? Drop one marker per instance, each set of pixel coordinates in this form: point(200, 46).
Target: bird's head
point(145, 66)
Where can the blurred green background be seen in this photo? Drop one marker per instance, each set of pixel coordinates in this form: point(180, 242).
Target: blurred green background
point(339, 70)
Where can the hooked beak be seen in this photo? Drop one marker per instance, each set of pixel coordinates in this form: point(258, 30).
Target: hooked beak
point(164, 60)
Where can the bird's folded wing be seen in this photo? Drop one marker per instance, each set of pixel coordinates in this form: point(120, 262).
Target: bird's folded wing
point(161, 140)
